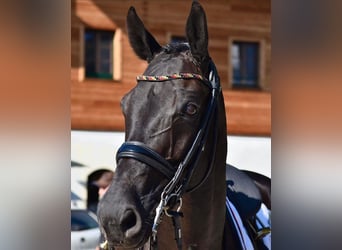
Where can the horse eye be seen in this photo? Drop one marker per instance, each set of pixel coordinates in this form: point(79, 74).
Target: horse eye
point(190, 109)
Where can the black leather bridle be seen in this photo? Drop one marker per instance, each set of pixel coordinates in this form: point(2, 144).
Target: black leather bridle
point(178, 178)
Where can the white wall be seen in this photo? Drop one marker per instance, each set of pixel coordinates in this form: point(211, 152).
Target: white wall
point(98, 149)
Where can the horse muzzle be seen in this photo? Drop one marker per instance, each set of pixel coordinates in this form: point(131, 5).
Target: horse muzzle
point(122, 228)
point(123, 220)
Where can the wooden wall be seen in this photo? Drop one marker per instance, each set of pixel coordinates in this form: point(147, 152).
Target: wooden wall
point(95, 104)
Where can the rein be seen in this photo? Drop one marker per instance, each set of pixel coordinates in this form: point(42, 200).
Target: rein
point(179, 180)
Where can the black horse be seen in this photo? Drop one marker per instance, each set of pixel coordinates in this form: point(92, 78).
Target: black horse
point(170, 181)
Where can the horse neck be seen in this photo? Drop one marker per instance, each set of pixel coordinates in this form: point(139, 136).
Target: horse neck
point(204, 209)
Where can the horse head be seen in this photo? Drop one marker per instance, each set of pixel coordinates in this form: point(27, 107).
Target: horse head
point(163, 114)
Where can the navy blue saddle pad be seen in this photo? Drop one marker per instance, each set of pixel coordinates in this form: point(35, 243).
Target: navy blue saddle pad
point(242, 192)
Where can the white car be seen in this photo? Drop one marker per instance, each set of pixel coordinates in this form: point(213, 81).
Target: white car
point(85, 232)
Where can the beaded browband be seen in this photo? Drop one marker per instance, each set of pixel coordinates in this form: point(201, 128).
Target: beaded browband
point(170, 77)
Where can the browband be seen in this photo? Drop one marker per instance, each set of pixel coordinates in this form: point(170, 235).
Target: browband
point(162, 78)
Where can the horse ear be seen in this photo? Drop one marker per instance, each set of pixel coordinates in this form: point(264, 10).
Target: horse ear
point(142, 42)
point(197, 32)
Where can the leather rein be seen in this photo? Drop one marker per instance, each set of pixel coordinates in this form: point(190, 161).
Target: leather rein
point(179, 178)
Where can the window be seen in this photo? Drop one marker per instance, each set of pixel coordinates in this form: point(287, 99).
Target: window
point(99, 47)
point(178, 39)
point(82, 220)
point(245, 64)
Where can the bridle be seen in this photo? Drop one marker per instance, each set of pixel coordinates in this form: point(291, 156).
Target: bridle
point(178, 177)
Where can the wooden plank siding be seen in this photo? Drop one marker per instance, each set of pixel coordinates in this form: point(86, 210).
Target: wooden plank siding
point(95, 103)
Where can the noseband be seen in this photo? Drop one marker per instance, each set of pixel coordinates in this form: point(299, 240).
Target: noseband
point(178, 179)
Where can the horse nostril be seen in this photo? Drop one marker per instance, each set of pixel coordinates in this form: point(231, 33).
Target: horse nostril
point(128, 221)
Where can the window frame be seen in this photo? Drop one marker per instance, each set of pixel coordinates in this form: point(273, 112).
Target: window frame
point(261, 62)
point(172, 36)
point(169, 36)
point(116, 55)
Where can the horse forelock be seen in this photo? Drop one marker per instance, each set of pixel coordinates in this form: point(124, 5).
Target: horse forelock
point(174, 58)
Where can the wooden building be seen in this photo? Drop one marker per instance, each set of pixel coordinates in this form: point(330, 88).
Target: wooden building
point(104, 66)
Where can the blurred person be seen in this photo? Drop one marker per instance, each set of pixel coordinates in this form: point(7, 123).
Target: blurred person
point(97, 184)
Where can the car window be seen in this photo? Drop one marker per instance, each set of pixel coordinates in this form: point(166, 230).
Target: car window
point(81, 220)
point(76, 164)
point(74, 196)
